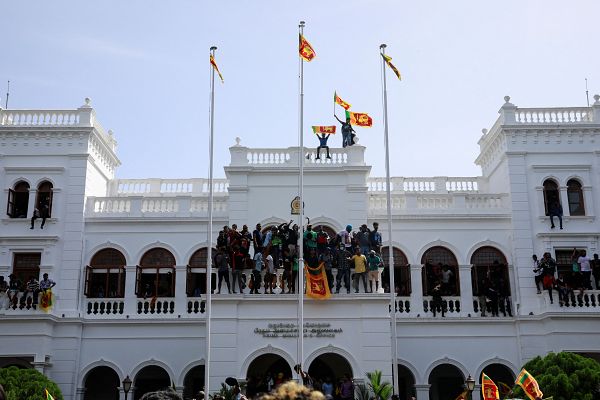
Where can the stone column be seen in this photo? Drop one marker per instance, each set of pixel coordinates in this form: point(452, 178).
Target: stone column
point(466, 290)
point(422, 391)
point(180, 289)
point(130, 297)
point(476, 395)
point(416, 294)
point(31, 204)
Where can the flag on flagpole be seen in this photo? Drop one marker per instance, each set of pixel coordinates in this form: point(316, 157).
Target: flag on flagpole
point(214, 64)
point(489, 390)
point(306, 51)
point(317, 286)
point(388, 61)
point(529, 385)
point(341, 102)
point(323, 129)
point(359, 119)
point(48, 395)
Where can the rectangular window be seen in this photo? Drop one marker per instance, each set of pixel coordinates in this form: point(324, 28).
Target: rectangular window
point(155, 281)
point(17, 204)
point(564, 261)
point(196, 281)
point(26, 265)
point(104, 282)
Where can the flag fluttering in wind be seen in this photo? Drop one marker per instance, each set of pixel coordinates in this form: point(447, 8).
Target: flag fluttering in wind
point(48, 395)
point(529, 385)
point(317, 286)
point(214, 64)
point(359, 119)
point(489, 390)
point(46, 300)
point(306, 51)
point(388, 61)
point(324, 129)
point(341, 102)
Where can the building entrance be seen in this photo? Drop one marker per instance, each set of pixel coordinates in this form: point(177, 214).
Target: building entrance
point(329, 366)
point(446, 381)
point(102, 383)
point(266, 371)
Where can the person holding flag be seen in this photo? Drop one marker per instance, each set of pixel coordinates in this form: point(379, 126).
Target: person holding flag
point(325, 132)
point(529, 385)
point(348, 133)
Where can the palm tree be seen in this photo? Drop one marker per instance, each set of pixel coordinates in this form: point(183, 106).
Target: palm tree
point(381, 390)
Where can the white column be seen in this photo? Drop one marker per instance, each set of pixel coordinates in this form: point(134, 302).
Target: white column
point(31, 203)
point(422, 391)
point(466, 290)
point(130, 297)
point(416, 293)
point(80, 393)
point(476, 395)
point(180, 289)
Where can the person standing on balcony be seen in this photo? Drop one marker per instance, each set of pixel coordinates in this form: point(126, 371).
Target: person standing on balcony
point(258, 267)
point(346, 238)
point(538, 273)
point(238, 261)
point(245, 240)
point(375, 238)
point(549, 266)
point(221, 261)
point(360, 270)
point(596, 270)
point(270, 275)
point(586, 270)
point(257, 239)
point(310, 240)
point(555, 210)
point(327, 259)
point(348, 133)
point(374, 262)
point(322, 240)
point(343, 269)
point(362, 237)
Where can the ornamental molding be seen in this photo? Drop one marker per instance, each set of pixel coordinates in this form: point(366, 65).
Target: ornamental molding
point(35, 170)
point(555, 167)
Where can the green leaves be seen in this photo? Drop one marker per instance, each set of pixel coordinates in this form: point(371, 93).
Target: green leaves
point(27, 384)
point(381, 390)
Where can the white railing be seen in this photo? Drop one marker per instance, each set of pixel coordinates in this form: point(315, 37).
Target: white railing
point(567, 115)
point(436, 184)
point(456, 202)
point(111, 205)
point(152, 206)
point(485, 201)
point(39, 118)
point(159, 187)
point(277, 157)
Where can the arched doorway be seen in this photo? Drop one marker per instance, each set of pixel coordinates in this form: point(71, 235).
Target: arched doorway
point(440, 269)
point(406, 382)
point(102, 383)
point(329, 365)
point(193, 382)
point(262, 367)
point(150, 379)
point(446, 381)
point(489, 278)
point(500, 373)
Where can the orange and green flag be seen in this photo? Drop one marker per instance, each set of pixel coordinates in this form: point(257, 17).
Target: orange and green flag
point(46, 300)
point(359, 119)
point(529, 385)
point(48, 395)
point(388, 61)
point(306, 51)
point(323, 129)
point(214, 64)
point(489, 390)
point(316, 282)
point(337, 99)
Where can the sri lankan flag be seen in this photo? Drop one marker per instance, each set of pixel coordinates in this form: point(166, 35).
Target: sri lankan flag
point(214, 64)
point(46, 300)
point(337, 99)
point(529, 385)
point(317, 286)
point(48, 395)
point(359, 119)
point(388, 61)
point(324, 129)
point(489, 390)
point(306, 51)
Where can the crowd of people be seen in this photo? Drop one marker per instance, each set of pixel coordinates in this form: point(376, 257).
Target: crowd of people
point(277, 247)
point(17, 293)
point(569, 284)
point(331, 388)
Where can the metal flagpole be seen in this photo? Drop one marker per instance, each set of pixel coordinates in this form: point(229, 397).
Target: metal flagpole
point(8, 93)
point(300, 287)
point(389, 226)
point(210, 228)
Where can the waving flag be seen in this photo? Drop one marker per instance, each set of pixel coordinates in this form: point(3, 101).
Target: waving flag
point(306, 51)
point(489, 390)
point(46, 300)
point(324, 129)
point(388, 61)
point(317, 286)
point(48, 395)
point(214, 64)
point(341, 102)
point(359, 119)
point(529, 385)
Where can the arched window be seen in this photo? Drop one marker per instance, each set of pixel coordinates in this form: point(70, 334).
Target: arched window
point(489, 268)
point(105, 276)
point(18, 200)
point(575, 196)
point(156, 274)
point(43, 201)
point(551, 194)
point(196, 273)
point(401, 271)
point(441, 268)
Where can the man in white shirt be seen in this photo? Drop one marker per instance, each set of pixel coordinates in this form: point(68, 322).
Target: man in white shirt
point(270, 273)
point(538, 273)
point(585, 268)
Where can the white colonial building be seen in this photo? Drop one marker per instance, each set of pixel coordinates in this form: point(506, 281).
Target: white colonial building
point(107, 239)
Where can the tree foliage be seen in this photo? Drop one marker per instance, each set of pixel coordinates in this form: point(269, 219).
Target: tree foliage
point(381, 390)
point(27, 384)
point(565, 376)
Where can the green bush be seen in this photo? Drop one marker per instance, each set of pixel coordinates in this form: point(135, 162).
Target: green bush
point(27, 384)
point(565, 376)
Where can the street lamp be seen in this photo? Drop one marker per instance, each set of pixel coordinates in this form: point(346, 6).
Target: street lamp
point(126, 386)
point(470, 385)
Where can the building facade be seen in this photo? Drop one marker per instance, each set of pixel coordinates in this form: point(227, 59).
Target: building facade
point(107, 240)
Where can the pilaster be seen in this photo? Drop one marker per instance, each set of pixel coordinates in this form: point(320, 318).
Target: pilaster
point(466, 290)
point(416, 295)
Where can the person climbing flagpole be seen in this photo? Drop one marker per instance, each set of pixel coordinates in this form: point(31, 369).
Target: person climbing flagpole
point(306, 54)
point(385, 60)
point(214, 68)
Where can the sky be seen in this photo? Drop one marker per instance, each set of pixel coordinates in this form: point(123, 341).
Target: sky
point(144, 64)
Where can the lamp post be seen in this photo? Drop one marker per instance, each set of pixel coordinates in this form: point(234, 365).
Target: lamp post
point(126, 386)
point(470, 385)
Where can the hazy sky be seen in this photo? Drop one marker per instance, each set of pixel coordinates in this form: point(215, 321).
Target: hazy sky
point(145, 66)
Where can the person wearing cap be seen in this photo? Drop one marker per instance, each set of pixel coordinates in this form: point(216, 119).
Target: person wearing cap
point(373, 262)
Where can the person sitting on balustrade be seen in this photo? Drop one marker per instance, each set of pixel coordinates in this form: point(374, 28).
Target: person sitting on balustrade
point(437, 301)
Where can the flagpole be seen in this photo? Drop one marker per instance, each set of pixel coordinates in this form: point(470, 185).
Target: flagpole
point(389, 226)
point(210, 229)
point(300, 287)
